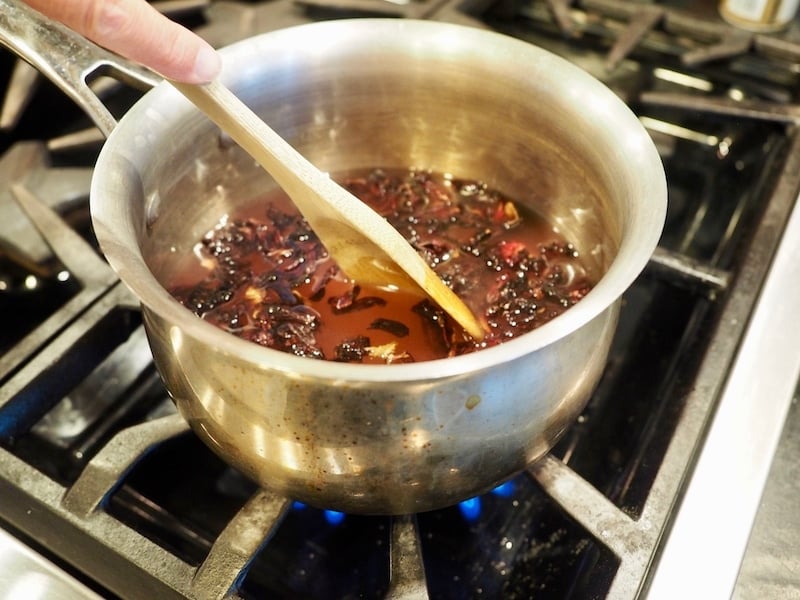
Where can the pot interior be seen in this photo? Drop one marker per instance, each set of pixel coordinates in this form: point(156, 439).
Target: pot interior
point(353, 95)
point(476, 112)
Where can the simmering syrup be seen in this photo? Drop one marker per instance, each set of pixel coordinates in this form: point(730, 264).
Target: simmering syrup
point(264, 276)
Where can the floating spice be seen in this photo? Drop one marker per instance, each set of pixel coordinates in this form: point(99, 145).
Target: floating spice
point(264, 276)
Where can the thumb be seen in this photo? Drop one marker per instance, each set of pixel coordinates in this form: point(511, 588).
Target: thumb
point(137, 31)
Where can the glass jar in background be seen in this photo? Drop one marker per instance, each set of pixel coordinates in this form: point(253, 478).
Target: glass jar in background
point(759, 15)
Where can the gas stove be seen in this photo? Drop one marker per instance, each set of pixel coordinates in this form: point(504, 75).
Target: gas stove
point(106, 492)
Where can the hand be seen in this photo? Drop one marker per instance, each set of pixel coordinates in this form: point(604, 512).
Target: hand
point(137, 31)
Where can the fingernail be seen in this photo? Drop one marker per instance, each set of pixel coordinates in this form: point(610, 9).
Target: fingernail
point(207, 64)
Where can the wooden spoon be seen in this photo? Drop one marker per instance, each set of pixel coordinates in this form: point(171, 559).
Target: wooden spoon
point(363, 243)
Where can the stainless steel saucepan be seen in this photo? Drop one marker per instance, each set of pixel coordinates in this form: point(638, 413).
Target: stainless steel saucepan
point(355, 94)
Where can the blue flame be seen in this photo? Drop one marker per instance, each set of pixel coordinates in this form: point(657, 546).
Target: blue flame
point(334, 517)
point(471, 508)
point(504, 489)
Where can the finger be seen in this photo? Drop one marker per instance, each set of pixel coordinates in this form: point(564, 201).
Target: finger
point(137, 31)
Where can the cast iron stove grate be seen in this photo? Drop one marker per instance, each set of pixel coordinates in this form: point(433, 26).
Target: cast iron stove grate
point(98, 471)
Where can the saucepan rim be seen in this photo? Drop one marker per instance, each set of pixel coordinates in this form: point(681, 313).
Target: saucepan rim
point(632, 256)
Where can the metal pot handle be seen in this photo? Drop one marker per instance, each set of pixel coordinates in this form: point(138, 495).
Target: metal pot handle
point(67, 59)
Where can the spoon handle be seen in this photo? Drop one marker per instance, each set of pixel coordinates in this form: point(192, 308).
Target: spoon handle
point(363, 243)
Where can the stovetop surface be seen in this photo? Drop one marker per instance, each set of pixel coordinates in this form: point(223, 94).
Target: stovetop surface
point(547, 532)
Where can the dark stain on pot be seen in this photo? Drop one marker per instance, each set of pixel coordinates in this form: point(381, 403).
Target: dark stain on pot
point(472, 401)
point(264, 276)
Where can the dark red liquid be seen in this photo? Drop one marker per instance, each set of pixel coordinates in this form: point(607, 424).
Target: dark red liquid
point(264, 276)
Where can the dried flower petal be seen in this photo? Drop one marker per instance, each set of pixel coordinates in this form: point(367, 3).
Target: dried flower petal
point(269, 280)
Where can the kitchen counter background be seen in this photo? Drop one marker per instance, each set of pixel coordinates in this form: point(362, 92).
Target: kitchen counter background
point(771, 565)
